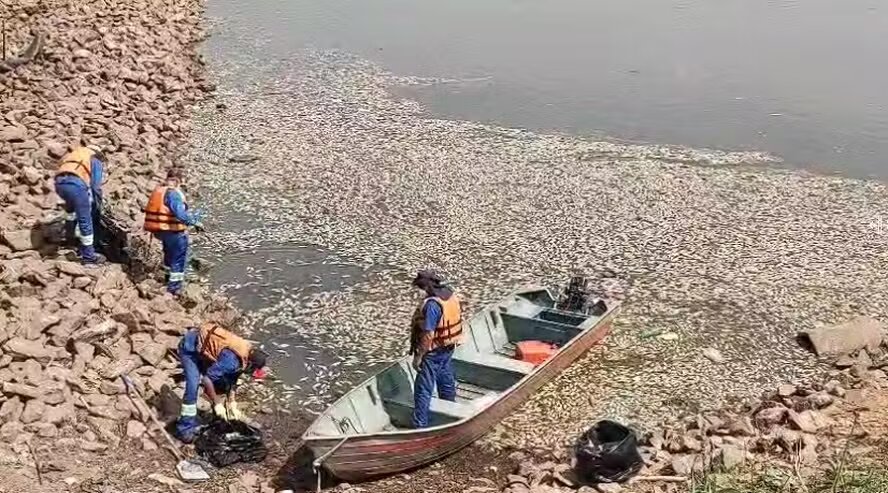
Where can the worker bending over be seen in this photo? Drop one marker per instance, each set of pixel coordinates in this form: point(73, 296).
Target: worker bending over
point(214, 358)
point(78, 182)
point(436, 331)
point(168, 217)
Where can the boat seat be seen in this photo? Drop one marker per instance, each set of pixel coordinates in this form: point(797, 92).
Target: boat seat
point(490, 371)
point(496, 361)
point(454, 409)
point(400, 410)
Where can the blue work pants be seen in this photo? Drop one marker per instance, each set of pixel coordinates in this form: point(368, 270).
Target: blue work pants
point(189, 356)
point(79, 214)
point(175, 256)
point(436, 371)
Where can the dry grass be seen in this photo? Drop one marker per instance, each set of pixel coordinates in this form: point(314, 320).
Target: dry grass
point(839, 479)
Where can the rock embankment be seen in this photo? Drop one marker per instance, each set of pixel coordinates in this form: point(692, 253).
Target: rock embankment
point(803, 428)
point(122, 74)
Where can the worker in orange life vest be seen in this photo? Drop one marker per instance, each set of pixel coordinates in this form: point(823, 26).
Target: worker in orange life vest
point(214, 358)
point(79, 182)
point(168, 217)
point(437, 330)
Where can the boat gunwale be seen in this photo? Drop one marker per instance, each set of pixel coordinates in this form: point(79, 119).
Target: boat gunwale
point(613, 308)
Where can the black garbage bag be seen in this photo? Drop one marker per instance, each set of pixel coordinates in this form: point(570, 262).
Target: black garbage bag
point(228, 442)
point(607, 452)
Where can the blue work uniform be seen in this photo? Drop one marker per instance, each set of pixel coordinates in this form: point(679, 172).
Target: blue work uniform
point(223, 374)
point(83, 205)
point(175, 243)
point(436, 369)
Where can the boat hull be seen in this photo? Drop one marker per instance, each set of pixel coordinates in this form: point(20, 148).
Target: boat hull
point(363, 457)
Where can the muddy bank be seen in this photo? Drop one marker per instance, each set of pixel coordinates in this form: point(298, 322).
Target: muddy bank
point(123, 75)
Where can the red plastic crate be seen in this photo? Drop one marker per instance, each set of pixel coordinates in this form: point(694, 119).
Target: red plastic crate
point(535, 352)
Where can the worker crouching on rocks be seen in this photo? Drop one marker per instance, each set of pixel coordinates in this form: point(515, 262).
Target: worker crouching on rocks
point(436, 331)
point(78, 182)
point(214, 358)
point(168, 217)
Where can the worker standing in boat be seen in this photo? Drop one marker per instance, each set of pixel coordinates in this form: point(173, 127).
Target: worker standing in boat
point(436, 331)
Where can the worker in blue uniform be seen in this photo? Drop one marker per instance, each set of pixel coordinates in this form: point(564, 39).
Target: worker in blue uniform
point(79, 182)
point(214, 358)
point(168, 217)
point(436, 331)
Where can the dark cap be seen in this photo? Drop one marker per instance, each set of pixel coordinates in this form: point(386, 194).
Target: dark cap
point(258, 358)
point(427, 278)
point(175, 173)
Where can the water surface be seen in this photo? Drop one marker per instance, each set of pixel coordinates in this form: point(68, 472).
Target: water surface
point(801, 79)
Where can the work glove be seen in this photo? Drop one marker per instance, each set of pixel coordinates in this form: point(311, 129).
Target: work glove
point(234, 412)
point(198, 228)
point(221, 410)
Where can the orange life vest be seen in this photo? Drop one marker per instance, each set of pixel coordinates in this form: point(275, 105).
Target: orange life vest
point(79, 163)
point(213, 339)
point(449, 329)
point(159, 217)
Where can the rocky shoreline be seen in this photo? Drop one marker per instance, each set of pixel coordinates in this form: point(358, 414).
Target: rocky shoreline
point(695, 243)
point(123, 74)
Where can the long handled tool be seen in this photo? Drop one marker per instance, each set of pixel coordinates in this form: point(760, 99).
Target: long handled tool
point(189, 470)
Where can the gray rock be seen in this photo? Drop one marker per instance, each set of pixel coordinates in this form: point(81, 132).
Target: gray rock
point(691, 444)
point(732, 456)
point(33, 412)
point(82, 282)
point(31, 175)
point(20, 347)
point(819, 400)
point(845, 361)
point(135, 429)
point(863, 359)
point(11, 410)
point(10, 430)
point(13, 134)
point(90, 446)
point(860, 371)
point(63, 413)
point(46, 430)
point(609, 487)
point(789, 439)
point(152, 353)
point(786, 390)
point(834, 387)
point(73, 269)
point(845, 338)
point(53, 397)
point(112, 387)
point(685, 465)
point(56, 149)
point(22, 239)
point(27, 391)
point(806, 421)
point(770, 416)
point(120, 367)
point(741, 426)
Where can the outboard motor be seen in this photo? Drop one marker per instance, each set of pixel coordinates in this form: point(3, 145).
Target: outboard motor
point(577, 297)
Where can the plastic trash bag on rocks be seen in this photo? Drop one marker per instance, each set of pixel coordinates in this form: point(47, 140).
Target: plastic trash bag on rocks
point(607, 452)
point(224, 443)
